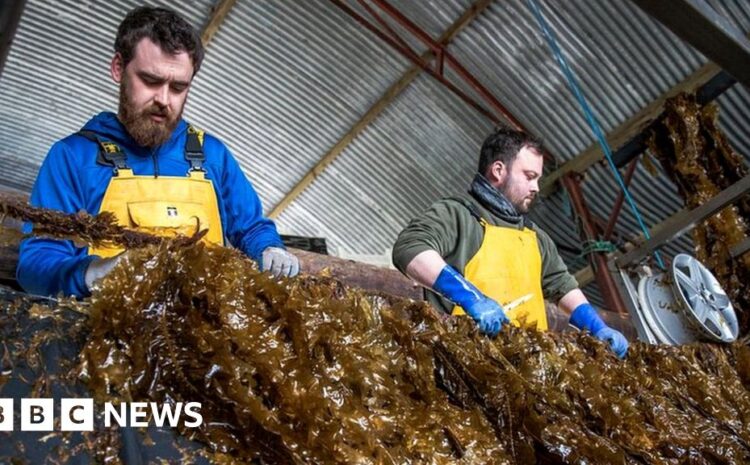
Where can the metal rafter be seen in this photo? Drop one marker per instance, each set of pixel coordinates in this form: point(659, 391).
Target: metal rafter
point(452, 62)
point(598, 260)
point(389, 96)
point(610, 229)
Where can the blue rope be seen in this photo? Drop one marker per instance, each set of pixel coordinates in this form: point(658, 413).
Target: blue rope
point(549, 35)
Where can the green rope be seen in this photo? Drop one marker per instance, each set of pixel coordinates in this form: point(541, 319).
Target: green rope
point(590, 247)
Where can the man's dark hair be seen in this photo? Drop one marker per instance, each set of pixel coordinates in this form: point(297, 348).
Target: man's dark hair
point(163, 26)
point(504, 144)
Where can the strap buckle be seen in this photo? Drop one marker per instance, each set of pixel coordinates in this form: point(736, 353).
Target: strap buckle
point(194, 149)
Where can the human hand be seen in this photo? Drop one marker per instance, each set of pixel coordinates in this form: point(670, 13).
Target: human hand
point(585, 317)
point(488, 314)
point(99, 268)
point(615, 339)
point(279, 262)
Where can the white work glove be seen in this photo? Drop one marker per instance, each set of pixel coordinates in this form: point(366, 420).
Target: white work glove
point(99, 268)
point(279, 262)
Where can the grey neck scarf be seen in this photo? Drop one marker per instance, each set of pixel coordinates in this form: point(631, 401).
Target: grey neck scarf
point(494, 200)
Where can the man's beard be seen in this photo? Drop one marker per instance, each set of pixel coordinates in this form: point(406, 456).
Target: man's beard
point(144, 131)
point(518, 204)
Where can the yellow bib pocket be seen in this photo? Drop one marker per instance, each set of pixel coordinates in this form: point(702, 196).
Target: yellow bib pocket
point(167, 218)
point(163, 206)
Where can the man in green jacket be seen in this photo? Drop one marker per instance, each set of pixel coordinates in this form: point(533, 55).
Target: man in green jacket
point(477, 252)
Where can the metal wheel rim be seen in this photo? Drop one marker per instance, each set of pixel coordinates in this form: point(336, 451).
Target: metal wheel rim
point(661, 313)
point(704, 301)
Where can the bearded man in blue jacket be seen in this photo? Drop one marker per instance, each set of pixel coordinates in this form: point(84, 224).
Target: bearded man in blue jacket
point(146, 165)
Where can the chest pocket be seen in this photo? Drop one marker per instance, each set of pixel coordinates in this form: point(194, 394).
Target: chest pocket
point(168, 217)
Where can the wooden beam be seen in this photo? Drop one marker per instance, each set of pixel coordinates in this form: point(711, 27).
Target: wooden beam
point(698, 24)
point(390, 95)
point(628, 130)
point(740, 249)
point(369, 278)
point(677, 224)
point(218, 13)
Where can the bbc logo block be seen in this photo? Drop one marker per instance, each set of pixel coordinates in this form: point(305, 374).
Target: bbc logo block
point(6, 414)
point(38, 414)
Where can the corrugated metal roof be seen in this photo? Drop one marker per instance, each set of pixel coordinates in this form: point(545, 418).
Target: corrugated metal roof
point(284, 80)
point(396, 168)
point(286, 104)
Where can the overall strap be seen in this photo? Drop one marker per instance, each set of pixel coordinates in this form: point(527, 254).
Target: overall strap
point(110, 154)
point(194, 149)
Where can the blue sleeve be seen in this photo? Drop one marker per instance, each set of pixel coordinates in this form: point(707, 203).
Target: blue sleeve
point(246, 227)
point(48, 266)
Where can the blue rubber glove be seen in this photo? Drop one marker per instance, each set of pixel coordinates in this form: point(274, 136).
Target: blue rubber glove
point(488, 314)
point(585, 317)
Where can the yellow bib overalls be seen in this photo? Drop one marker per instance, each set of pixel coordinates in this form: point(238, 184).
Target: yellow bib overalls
point(164, 205)
point(507, 266)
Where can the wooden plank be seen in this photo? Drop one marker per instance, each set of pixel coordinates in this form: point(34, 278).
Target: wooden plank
point(390, 95)
point(629, 129)
point(218, 14)
point(684, 220)
point(584, 276)
point(740, 249)
point(700, 25)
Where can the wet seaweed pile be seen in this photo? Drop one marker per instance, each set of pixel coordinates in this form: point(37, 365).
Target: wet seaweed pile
point(698, 158)
point(291, 371)
point(305, 370)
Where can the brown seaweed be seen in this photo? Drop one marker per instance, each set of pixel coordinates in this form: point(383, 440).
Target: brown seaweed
point(305, 370)
point(99, 230)
point(697, 157)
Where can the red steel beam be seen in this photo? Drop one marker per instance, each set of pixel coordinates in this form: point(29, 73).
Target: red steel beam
point(611, 294)
point(384, 24)
point(442, 52)
point(618, 202)
point(410, 26)
point(416, 60)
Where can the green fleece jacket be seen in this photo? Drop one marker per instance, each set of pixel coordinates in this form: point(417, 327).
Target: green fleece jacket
point(449, 228)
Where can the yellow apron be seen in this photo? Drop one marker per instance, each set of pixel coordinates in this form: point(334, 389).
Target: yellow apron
point(508, 265)
point(164, 205)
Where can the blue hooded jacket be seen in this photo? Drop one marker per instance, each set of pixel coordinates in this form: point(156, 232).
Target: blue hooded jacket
point(70, 180)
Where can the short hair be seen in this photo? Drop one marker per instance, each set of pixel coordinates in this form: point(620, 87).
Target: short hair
point(165, 27)
point(504, 144)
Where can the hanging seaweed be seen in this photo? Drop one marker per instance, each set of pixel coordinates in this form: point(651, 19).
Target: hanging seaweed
point(698, 158)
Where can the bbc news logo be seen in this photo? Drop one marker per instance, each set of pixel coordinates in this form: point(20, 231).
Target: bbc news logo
point(78, 414)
